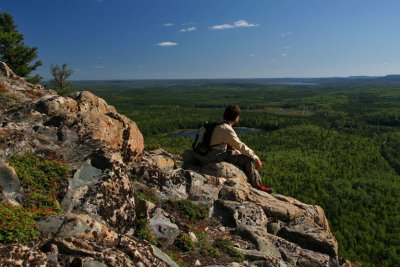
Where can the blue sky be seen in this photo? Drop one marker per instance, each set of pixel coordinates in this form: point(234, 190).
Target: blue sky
point(169, 39)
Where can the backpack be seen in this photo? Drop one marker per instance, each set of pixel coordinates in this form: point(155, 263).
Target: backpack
point(201, 144)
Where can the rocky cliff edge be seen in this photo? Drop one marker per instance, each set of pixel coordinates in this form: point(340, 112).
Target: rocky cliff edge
point(115, 204)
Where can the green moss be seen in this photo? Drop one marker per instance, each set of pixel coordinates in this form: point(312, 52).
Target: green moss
point(184, 243)
point(41, 180)
point(143, 231)
point(17, 224)
point(226, 246)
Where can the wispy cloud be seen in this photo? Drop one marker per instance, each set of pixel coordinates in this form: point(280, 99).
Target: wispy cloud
point(237, 24)
point(283, 55)
point(221, 27)
point(190, 29)
point(252, 55)
point(168, 24)
point(166, 44)
point(284, 34)
point(99, 67)
point(243, 23)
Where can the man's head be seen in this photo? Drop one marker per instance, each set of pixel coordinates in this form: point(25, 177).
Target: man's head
point(232, 113)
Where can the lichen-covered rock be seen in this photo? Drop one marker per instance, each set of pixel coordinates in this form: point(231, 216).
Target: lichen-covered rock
point(20, 255)
point(84, 177)
point(235, 214)
point(280, 249)
point(85, 227)
point(223, 169)
point(159, 158)
point(173, 185)
point(112, 198)
point(39, 120)
point(305, 224)
point(49, 225)
point(163, 228)
point(204, 188)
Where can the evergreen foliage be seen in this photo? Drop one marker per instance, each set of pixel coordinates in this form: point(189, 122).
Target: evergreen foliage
point(14, 52)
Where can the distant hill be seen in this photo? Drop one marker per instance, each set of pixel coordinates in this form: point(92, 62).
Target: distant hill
point(353, 80)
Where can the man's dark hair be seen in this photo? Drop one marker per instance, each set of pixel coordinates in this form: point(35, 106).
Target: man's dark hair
point(231, 112)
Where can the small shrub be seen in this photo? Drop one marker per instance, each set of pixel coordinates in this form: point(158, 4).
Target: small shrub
point(184, 243)
point(205, 247)
point(193, 210)
point(177, 259)
point(143, 231)
point(226, 246)
point(146, 194)
point(17, 224)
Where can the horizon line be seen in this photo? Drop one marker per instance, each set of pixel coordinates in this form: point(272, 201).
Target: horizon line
point(254, 78)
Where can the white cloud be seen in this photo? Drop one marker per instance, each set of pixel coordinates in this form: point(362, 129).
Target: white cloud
point(166, 44)
point(283, 55)
point(221, 27)
point(99, 67)
point(190, 29)
point(284, 34)
point(252, 55)
point(237, 24)
point(243, 23)
point(168, 24)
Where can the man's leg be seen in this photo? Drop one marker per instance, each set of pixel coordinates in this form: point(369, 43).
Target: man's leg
point(247, 166)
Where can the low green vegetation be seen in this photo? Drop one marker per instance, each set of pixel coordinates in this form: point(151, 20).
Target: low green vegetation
point(227, 247)
point(146, 193)
point(176, 258)
point(17, 224)
point(143, 231)
point(194, 211)
point(206, 248)
point(41, 181)
point(187, 209)
point(184, 243)
point(336, 146)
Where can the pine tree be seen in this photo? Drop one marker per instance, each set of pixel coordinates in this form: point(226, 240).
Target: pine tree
point(60, 75)
point(14, 52)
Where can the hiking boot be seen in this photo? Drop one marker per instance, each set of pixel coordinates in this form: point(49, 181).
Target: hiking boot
point(266, 189)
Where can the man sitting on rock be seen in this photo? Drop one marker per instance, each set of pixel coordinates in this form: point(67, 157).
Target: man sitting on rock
point(226, 146)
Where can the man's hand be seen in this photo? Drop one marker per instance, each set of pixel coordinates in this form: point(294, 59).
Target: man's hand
point(258, 164)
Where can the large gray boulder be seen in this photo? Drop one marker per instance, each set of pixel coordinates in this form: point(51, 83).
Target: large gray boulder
point(163, 228)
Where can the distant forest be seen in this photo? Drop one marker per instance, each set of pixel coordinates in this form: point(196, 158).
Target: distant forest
point(334, 144)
